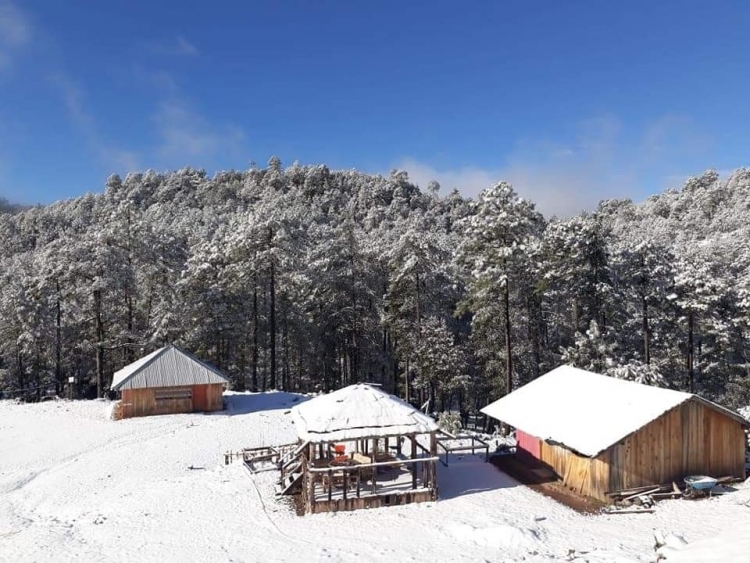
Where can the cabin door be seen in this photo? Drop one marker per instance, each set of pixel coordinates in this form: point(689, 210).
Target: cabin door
point(200, 398)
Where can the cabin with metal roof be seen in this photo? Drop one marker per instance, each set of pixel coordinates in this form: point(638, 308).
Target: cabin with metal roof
point(601, 434)
point(360, 447)
point(168, 381)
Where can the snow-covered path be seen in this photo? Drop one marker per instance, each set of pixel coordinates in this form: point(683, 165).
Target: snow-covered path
point(75, 486)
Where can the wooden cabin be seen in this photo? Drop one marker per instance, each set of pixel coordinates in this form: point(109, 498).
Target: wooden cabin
point(360, 447)
point(602, 434)
point(168, 381)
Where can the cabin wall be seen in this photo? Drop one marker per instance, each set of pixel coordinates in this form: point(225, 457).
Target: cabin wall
point(690, 439)
point(528, 444)
point(171, 400)
point(208, 398)
point(583, 475)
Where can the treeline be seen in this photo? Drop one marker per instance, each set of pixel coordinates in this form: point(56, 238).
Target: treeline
point(303, 278)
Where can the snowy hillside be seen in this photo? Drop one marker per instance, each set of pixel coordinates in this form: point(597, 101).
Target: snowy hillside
point(77, 486)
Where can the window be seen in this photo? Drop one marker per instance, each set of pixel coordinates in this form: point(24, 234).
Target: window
point(173, 394)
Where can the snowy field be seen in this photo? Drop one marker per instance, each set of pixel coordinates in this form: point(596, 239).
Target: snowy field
point(75, 486)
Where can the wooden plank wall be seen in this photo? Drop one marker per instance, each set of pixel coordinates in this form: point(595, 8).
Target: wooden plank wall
point(141, 402)
point(583, 475)
point(528, 443)
point(208, 398)
point(690, 439)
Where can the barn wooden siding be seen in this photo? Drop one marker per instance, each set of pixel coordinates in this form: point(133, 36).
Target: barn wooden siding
point(692, 438)
point(528, 443)
point(143, 402)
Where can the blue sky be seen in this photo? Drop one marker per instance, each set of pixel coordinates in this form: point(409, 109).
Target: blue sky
point(571, 101)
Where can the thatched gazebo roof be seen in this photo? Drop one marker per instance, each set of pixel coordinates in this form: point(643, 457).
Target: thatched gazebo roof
point(356, 412)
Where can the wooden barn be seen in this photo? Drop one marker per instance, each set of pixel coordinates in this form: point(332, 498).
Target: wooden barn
point(601, 434)
point(168, 381)
point(360, 447)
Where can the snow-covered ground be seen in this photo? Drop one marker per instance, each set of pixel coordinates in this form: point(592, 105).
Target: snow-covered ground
point(75, 486)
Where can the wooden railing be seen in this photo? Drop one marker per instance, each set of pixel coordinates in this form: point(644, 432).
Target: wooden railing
point(476, 444)
point(340, 477)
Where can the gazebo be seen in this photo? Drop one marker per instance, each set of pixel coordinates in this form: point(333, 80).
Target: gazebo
point(360, 447)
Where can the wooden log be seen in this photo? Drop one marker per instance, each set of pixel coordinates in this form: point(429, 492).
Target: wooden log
point(630, 511)
point(632, 490)
point(643, 493)
point(662, 496)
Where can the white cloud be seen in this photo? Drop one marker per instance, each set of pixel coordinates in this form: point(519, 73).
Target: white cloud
point(110, 156)
point(187, 138)
point(177, 46)
point(566, 178)
point(160, 80)
point(15, 32)
point(184, 47)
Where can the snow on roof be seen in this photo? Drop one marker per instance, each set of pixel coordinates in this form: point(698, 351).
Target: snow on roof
point(583, 411)
point(166, 367)
point(358, 411)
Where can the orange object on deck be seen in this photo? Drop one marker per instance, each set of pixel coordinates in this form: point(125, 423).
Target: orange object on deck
point(339, 451)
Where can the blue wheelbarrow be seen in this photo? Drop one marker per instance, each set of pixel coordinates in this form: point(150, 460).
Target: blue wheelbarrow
point(698, 485)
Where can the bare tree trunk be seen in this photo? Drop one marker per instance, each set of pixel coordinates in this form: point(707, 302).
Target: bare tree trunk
point(255, 335)
point(272, 319)
point(508, 348)
point(99, 343)
point(419, 329)
point(690, 354)
point(406, 382)
point(285, 344)
point(21, 369)
point(646, 336)
point(383, 376)
point(58, 342)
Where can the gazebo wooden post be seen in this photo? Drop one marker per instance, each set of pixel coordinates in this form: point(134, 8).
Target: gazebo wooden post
point(433, 465)
point(413, 465)
point(309, 478)
point(374, 469)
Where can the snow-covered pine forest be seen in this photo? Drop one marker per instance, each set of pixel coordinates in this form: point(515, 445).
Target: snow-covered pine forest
point(304, 278)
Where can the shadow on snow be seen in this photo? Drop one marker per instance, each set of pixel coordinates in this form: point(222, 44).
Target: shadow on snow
point(245, 403)
point(469, 475)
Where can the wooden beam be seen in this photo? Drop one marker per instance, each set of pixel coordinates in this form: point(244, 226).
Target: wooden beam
point(413, 465)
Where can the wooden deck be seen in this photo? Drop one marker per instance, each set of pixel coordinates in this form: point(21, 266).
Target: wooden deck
point(368, 477)
point(382, 498)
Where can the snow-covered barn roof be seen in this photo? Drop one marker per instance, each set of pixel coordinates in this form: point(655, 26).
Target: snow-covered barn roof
point(584, 411)
point(358, 411)
point(166, 367)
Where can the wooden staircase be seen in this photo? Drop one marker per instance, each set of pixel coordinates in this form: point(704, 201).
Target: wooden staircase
point(287, 459)
point(292, 471)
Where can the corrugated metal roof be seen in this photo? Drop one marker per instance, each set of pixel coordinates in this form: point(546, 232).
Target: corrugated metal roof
point(166, 367)
point(358, 411)
point(584, 411)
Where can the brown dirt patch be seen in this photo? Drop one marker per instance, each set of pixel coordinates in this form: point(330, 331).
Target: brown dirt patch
point(537, 476)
